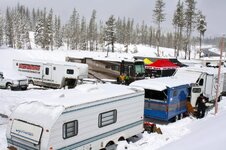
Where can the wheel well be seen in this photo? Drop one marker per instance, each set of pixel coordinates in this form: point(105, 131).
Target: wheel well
point(121, 138)
point(71, 83)
point(7, 83)
point(110, 143)
point(31, 82)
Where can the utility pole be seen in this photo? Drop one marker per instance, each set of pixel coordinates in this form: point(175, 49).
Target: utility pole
point(219, 72)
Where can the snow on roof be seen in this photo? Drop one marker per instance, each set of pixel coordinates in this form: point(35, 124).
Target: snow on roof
point(45, 110)
point(208, 70)
point(65, 63)
point(85, 93)
point(159, 84)
point(183, 76)
point(38, 113)
point(11, 74)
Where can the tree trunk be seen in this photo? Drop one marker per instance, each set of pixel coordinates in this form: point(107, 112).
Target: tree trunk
point(200, 44)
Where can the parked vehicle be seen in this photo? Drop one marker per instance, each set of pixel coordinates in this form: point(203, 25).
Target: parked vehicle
point(202, 81)
point(52, 74)
point(12, 80)
point(166, 98)
point(106, 68)
point(90, 116)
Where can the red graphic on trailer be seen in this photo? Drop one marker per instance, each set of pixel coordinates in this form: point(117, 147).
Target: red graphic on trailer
point(29, 68)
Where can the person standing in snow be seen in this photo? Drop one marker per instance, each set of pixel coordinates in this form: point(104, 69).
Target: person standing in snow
point(200, 103)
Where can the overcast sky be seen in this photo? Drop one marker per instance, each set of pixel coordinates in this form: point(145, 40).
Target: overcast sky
point(140, 10)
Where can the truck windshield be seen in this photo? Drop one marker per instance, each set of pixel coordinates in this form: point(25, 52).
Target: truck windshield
point(139, 68)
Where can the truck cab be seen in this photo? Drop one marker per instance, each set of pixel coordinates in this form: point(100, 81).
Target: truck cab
point(12, 80)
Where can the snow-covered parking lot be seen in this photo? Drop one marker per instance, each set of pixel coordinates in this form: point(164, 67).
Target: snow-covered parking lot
point(187, 134)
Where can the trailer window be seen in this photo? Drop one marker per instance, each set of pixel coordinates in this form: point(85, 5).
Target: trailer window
point(107, 118)
point(47, 71)
point(70, 71)
point(70, 129)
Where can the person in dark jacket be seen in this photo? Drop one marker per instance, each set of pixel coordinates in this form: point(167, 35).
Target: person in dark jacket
point(200, 103)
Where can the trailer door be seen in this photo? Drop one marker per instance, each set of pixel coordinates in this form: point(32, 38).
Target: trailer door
point(47, 73)
point(210, 88)
point(196, 90)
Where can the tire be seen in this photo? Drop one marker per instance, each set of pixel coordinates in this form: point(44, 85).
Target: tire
point(179, 116)
point(8, 86)
point(176, 118)
point(24, 88)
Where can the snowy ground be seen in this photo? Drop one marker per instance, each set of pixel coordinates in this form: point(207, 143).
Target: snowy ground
point(189, 133)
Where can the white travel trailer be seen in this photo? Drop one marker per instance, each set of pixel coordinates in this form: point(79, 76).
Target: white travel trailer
point(91, 116)
point(52, 73)
point(202, 80)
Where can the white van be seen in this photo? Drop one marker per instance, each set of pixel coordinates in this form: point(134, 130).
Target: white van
point(87, 117)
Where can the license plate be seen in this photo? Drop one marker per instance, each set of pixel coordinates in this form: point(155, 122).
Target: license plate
point(23, 82)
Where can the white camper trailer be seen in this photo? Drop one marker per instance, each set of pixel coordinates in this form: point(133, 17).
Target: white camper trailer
point(87, 117)
point(202, 80)
point(52, 74)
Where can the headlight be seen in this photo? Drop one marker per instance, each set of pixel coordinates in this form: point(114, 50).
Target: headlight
point(15, 82)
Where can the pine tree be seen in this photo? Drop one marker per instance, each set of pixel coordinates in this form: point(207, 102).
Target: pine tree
point(190, 15)
point(119, 30)
point(178, 23)
point(83, 37)
point(128, 32)
point(49, 31)
point(9, 28)
point(101, 35)
point(150, 36)
point(92, 31)
point(110, 32)
point(159, 17)
point(1, 29)
point(57, 34)
point(201, 27)
point(74, 30)
point(40, 31)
